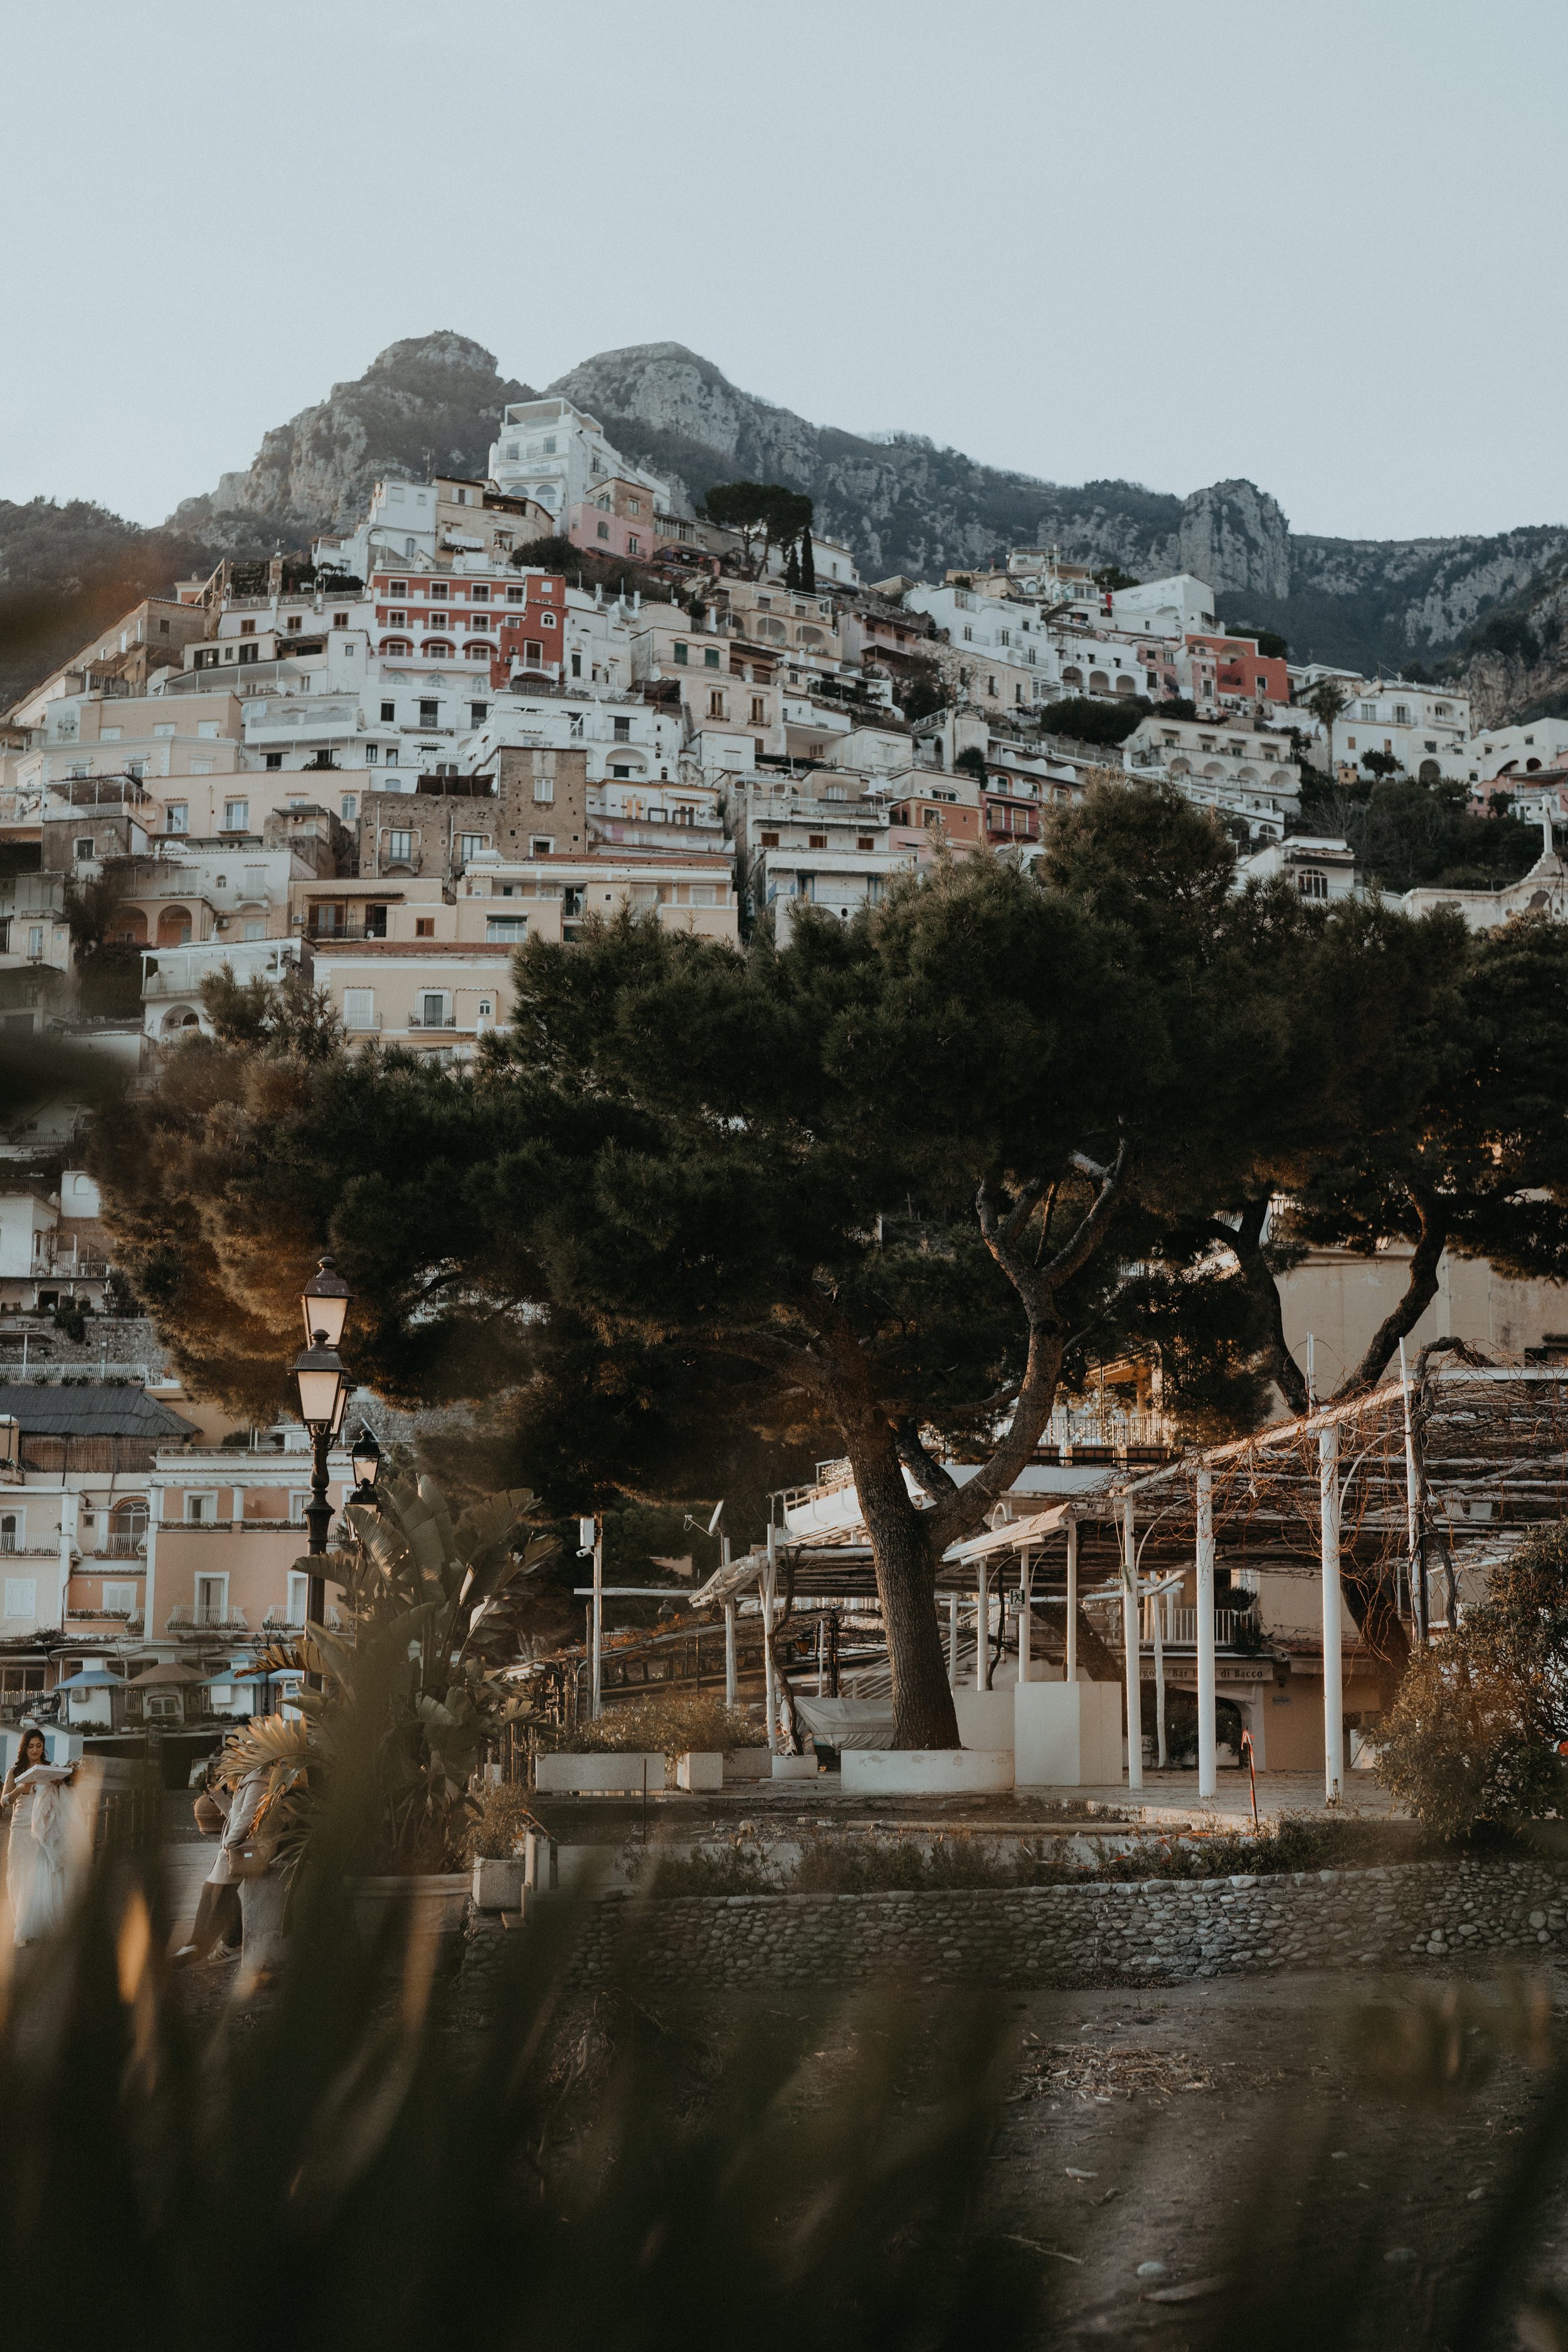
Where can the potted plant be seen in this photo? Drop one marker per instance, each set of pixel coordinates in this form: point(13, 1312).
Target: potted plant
point(375, 1772)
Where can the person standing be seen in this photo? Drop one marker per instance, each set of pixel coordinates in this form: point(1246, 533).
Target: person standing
point(35, 1796)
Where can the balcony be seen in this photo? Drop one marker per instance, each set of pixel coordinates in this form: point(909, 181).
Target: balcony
point(1180, 1628)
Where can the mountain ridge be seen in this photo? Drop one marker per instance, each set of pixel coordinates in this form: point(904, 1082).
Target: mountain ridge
point(899, 500)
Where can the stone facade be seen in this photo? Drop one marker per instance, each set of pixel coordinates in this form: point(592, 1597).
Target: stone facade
point(1067, 1935)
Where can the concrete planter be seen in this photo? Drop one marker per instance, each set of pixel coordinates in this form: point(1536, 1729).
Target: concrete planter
point(430, 1904)
point(926, 1771)
point(700, 1768)
point(498, 1883)
point(795, 1767)
point(985, 1720)
point(599, 1774)
point(1068, 1734)
point(748, 1764)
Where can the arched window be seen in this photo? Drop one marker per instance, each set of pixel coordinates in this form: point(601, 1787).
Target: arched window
point(175, 926)
point(396, 646)
point(478, 652)
point(1312, 882)
point(1073, 678)
point(1097, 682)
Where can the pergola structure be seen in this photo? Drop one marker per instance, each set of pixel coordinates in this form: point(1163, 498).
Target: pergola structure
point(1407, 1495)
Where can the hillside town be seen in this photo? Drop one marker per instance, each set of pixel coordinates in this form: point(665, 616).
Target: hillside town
point(495, 710)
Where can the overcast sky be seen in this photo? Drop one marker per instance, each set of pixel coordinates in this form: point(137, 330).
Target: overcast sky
point(1313, 244)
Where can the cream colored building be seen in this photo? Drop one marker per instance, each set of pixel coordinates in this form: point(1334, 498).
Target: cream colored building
point(1338, 1300)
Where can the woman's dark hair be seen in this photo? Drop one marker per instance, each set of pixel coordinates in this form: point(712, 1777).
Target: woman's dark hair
point(30, 1732)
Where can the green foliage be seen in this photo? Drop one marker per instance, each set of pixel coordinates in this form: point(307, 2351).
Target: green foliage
point(918, 686)
point(971, 761)
point(1111, 577)
point(765, 514)
point(1380, 764)
point(1269, 642)
point(1082, 717)
point(290, 1018)
point(408, 1703)
point(499, 1818)
point(1508, 634)
point(1407, 833)
point(1473, 1733)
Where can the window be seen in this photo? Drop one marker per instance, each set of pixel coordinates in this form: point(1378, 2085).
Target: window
point(177, 817)
point(544, 787)
point(400, 844)
point(715, 704)
point(36, 943)
point(620, 770)
point(770, 841)
point(759, 712)
point(533, 654)
point(118, 1600)
point(21, 1596)
point(517, 595)
point(438, 591)
point(212, 1600)
point(293, 620)
point(1312, 883)
point(711, 657)
point(359, 1008)
point(424, 926)
point(604, 531)
point(397, 587)
point(866, 841)
point(478, 713)
point(503, 929)
point(473, 845)
point(236, 816)
point(817, 841)
point(201, 1510)
point(622, 727)
point(299, 1595)
point(547, 620)
point(433, 1009)
point(633, 544)
point(388, 713)
point(429, 711)
point(481, 593)
point(539, 844)
point(82, 849)
point(681, 651)
point(13, 1531)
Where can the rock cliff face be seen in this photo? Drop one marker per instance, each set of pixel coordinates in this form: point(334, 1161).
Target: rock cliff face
point(905, 505)
point(432, 401)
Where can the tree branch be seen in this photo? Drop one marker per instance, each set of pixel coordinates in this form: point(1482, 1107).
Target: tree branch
point(1080, 1247)
point(1245, 1242)
point(917, 1458)
point(1420, 1290)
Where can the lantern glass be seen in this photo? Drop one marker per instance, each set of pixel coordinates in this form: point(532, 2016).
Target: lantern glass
point(366, 1457)
point(324, 1304)
point(322, 1393)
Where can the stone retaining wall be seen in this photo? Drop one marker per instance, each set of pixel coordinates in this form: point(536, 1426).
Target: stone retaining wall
point(1062, 1934)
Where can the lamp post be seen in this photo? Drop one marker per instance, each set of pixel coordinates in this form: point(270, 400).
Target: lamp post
point(364, 1456)
point(323, 1388)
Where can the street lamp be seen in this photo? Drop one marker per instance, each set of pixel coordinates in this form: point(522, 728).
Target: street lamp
point(323, 1388)
point(365, 1456)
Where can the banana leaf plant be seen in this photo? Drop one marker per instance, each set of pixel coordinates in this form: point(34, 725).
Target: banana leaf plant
point(407, 1702)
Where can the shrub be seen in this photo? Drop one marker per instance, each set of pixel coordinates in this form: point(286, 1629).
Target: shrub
point(656, 1721)
point(499, 1818)
point(1473, 1731)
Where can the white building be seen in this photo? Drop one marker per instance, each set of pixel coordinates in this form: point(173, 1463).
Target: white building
point(554, 453)
point(1321, 866)
point(1426, 727)
point(1518, 752)
point(1178, 607)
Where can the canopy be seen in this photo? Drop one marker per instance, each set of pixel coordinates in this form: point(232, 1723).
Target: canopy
point(92, 1678)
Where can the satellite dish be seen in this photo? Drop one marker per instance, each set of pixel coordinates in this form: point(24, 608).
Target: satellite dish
point(718, 1515)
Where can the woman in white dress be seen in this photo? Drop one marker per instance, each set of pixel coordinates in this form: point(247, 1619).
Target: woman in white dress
point(35, 1796)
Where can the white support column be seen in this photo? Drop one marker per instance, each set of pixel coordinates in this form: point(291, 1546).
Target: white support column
point(1159, 1680)
point(1130, 1646)
point(952, 1641)
point(1415, 1546)
point(729, 1654)
point(1207, 1736)
point(150, 1588)
point(598, 1616)
point(769, 1574)
point(1071, 1662)
point(1025, 1618)
point(1333, 1664)
point(981, 1626)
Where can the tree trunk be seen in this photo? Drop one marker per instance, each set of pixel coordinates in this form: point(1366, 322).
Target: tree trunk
point(1371, 1602)
point(905, 1561)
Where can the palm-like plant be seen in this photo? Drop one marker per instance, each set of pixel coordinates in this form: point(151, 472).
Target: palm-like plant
point(407, 1702)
